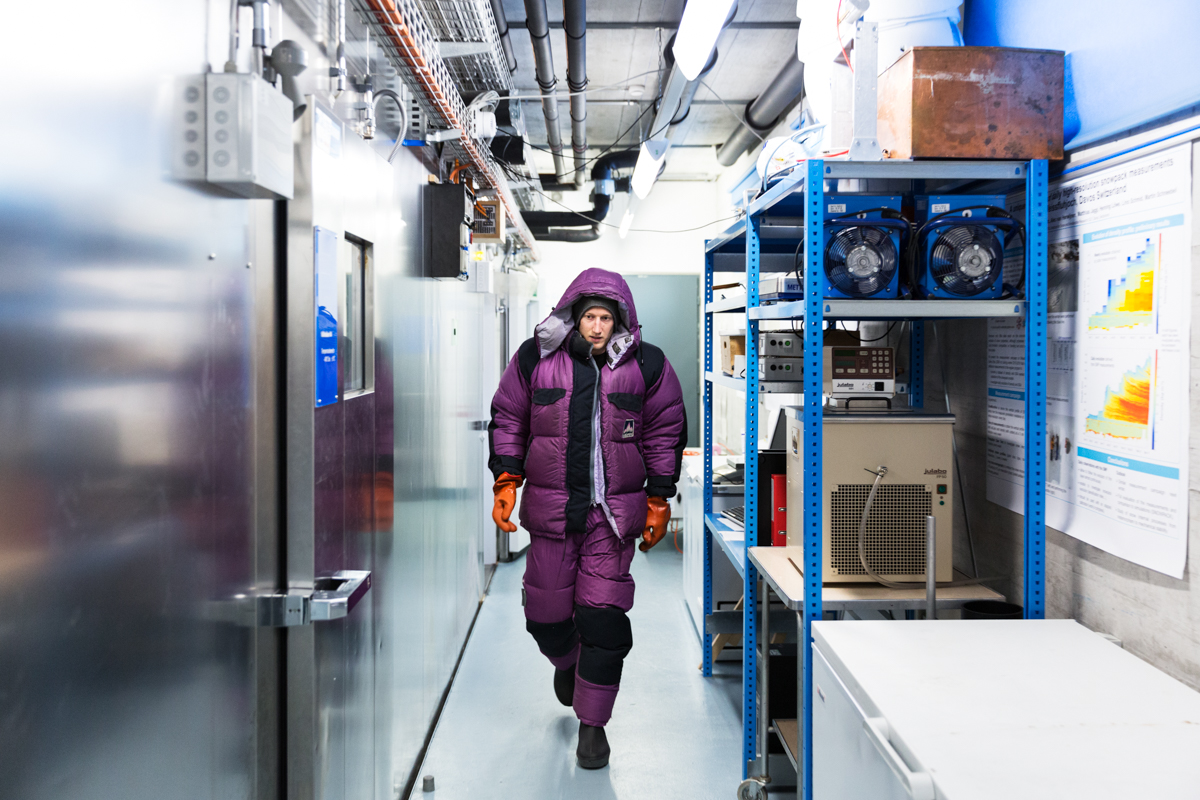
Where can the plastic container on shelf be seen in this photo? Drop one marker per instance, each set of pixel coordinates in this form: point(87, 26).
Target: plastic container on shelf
point(904, 24)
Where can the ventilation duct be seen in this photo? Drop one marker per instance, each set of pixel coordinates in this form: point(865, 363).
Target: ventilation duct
point(765, 111)
point(542, 222)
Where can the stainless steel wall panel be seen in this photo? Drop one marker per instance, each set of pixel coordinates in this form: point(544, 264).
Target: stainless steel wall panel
point(359, 494)
point(141, 470)
point(126, 429)
point(433, 330)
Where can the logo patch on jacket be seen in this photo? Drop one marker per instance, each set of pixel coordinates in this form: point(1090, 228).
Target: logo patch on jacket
point(629, 428)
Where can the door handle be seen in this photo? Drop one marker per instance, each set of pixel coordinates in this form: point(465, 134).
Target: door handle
point(333, 597)
point(336, 597)
point(919, 785)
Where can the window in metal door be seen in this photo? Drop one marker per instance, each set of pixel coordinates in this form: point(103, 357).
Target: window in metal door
point(355, 301)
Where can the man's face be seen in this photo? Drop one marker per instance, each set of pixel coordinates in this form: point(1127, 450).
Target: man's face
point(596, 325)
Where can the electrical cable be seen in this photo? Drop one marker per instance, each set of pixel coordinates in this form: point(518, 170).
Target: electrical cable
point(783, 173)
point(837, 28)
point(793, 137)
point(601, 154)
point(740, 119)
point(799, 281)
point(862, 547)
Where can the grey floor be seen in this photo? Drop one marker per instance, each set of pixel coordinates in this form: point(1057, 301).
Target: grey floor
point(674, 734)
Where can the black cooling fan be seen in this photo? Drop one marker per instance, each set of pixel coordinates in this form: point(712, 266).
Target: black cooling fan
point(860, 260)
point(966, 260)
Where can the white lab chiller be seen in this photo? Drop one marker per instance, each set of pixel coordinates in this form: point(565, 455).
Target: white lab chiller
point(917, 450)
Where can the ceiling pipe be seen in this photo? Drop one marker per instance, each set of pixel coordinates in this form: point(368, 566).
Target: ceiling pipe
point(575, 26)
point(765, 111)
point(541, 222)
point(543, 67)
point(505, 40)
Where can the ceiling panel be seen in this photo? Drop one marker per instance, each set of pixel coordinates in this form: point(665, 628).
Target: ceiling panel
point(748, 59)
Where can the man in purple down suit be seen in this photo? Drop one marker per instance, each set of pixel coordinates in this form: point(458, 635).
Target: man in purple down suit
point(590, 418)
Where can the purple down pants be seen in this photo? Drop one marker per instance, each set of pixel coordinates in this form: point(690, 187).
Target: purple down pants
point(577, 590)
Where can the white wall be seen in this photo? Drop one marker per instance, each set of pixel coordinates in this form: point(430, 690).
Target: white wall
point(671, 206)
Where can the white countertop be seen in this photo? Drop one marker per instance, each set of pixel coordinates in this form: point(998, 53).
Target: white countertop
point(1022, 709)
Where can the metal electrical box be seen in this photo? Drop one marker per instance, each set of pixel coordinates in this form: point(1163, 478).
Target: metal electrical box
point(785, 344)
point(916, 449)
point(488, 225)
point(448, 215)
point(248, 136)
point(233, 131)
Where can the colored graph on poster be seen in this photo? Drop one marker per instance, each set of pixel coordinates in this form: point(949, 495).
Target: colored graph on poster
point(1126, 412)
point(1130, 302)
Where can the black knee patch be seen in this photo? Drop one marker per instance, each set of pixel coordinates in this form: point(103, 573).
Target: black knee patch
point(605, 638)
point(554, 638)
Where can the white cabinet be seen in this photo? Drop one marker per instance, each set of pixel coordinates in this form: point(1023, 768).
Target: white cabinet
point(727, 584)
point(995, 710)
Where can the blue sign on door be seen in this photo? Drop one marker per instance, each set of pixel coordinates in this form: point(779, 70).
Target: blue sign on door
point(325, 246)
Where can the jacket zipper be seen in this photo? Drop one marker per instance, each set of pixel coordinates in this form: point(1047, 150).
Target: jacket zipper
point(592, 423)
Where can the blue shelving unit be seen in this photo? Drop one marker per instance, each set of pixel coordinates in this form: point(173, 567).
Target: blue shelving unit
point(742, 248)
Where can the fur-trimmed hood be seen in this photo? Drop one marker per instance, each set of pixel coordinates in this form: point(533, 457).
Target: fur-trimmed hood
point(555, 328)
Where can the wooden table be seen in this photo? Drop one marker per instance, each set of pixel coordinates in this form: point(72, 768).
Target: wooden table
point(779, 568)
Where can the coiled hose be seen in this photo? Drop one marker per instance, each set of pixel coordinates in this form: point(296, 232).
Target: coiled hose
point(862, 547)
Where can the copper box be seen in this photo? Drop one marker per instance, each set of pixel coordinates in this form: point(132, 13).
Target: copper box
point(972, 102)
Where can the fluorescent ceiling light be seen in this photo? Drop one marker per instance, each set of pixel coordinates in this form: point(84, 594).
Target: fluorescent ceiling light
point(626, 221)
point(645, 172)
point(697, 34)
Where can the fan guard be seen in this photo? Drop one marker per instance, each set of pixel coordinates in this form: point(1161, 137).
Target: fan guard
point(860, 260)
point(966, 260)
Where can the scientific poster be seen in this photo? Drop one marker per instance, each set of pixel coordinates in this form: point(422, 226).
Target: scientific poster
point(1118, 327)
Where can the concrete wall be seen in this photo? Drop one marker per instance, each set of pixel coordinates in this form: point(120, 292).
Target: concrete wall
point(1155, 616)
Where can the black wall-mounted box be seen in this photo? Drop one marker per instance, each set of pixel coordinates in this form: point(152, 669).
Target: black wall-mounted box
point(446, 214)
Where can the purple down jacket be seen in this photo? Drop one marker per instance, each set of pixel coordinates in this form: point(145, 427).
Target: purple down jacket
point(543, 419)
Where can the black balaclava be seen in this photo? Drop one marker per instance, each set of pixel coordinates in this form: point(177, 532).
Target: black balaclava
point(593, 301)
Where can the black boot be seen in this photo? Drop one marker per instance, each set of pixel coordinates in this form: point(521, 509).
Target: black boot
point(592, 751)
point(564, 685)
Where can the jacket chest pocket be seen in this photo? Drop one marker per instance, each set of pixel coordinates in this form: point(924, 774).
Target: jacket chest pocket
point(547, 412)
point(625, 422)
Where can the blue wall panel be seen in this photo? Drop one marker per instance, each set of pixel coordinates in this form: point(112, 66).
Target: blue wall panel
point(1127, 63)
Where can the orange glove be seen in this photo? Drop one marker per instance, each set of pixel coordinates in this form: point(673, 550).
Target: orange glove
point(505, 490)
point(658, 514)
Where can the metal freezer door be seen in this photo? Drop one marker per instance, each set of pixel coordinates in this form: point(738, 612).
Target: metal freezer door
point(329, 444)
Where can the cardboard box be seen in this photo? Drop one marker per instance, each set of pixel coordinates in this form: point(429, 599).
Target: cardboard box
point(972, 102)
point(732, 345)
